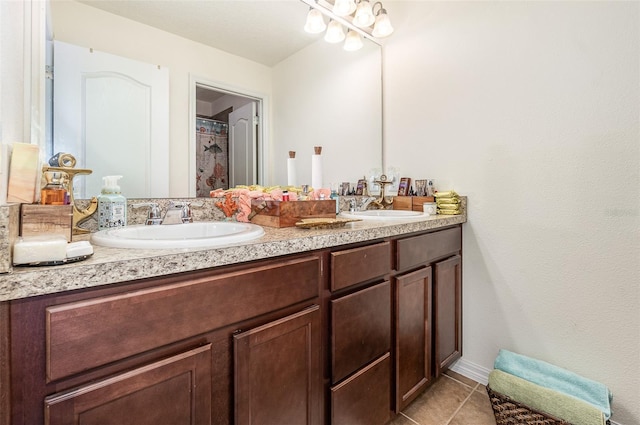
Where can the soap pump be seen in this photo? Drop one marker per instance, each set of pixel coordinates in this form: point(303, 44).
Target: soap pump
point(112, 206)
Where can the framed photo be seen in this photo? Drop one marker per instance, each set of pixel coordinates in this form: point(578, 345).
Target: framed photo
point(344, 188)
point(360, 186)
point(403, 186)
point(421, 187)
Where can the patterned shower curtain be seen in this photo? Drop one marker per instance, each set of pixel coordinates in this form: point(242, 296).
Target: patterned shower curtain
point(212, 156)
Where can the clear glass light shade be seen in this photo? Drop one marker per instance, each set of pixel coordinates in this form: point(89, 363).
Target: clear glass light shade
point(353, 41)
point(383, 26)
point(344, 7)
point(315, 22)
point(364, 15)
point(335, 33)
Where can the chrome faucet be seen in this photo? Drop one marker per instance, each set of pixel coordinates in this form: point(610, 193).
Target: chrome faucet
point(178, 213)
point(153, 216)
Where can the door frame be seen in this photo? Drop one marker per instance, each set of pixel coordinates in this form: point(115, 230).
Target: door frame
point(262, 109)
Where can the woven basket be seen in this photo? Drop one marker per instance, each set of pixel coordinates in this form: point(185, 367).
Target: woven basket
point(510, 412)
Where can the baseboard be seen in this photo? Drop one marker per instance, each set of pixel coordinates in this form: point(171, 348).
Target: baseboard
point(471, 370)
point(479, 373)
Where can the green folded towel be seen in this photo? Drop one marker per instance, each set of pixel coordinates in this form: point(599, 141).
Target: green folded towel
point(449, 206)
point(556, 378)
point(447, 201)
point(562, 406)
point(448, 194)
point(449, 212)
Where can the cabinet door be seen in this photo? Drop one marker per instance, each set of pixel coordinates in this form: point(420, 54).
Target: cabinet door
point(413, 335)
point(176, 390)
point(278, 377)
point(447, 293)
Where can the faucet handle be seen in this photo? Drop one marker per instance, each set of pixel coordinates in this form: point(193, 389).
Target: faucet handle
point(185, 213)
point(153, 216)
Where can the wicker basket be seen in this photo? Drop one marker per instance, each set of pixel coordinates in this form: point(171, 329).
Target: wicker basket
point(510, 412)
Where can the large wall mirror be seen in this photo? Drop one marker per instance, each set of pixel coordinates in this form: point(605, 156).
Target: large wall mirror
point(311, 93)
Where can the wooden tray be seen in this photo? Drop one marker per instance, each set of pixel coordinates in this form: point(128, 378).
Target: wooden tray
point(324, 223)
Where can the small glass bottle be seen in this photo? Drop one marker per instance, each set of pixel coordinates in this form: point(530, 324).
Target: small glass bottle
point(53, 193)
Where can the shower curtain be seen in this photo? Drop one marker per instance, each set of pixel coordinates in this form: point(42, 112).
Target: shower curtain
point(212, 156)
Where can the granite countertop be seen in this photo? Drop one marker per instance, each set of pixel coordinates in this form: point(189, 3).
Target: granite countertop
point(112, 265)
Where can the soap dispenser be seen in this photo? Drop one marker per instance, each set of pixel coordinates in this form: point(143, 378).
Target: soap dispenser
point(112, 206)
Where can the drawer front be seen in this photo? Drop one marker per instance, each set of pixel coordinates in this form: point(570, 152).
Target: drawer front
point(176, 390)
point(360, 329)
point(417, 250)
point(87, 334)
point(365, 397)
point(353, 266)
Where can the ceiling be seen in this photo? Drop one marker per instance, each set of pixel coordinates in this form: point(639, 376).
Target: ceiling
point(264, 31)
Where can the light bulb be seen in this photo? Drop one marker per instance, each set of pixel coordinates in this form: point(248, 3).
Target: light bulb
point(353, 41)
point(315, 22)
point(344, 7)
point(364, 15)
point(383, 27)
point(334, 33)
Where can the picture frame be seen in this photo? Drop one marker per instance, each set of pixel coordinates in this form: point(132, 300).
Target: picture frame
point(360, 186)
point(421, 187)
point(403, 186)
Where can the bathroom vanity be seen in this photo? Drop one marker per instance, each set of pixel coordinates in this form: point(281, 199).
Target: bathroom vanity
point(338, 326)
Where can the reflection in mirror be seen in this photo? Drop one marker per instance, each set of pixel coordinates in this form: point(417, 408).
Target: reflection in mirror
point(299, 112)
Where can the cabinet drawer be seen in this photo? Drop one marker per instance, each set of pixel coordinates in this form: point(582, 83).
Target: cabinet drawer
point(360, 329)
point(365, 397)
point(87, 334)
point(425, 248)
point(176, 390)
point(353, 266)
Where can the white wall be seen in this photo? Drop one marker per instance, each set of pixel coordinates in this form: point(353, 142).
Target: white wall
point(532, 109)
point(87, 26)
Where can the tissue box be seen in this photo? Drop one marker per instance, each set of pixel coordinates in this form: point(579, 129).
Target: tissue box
point(288, 213)
point(37, 220)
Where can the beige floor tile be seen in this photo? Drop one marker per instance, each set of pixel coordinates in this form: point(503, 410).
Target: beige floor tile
point(476, 410)
point(470, 382)
point(438, 403)
point(401, 420)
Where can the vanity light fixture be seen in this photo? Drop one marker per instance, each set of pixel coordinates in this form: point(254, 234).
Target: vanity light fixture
point(364, 14)
point(344, 7)
point(358, 17)
point(353, 41)
point(315, 22)
point(382, 27)
point(335, 33)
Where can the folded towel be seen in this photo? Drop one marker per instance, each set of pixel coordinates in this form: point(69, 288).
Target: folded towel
point(448, 194)
point(447, 201)
point(555, 378)
point(562, 406)
point(449, 206)
point(448, 212)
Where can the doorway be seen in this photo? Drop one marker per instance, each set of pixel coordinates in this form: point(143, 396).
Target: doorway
point(228, 138)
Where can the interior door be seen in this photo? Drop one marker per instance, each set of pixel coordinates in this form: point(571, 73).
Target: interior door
point(242, 146)
point(112, 114)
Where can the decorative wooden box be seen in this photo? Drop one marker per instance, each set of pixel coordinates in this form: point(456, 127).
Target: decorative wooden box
point(411, 203)
point(36, 220)
point(288, 213)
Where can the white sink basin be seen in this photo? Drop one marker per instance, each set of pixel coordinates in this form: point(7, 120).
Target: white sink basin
point(385, 215)
point(202, 234)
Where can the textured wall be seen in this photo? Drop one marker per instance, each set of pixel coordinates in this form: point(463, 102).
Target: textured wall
point(532, 109)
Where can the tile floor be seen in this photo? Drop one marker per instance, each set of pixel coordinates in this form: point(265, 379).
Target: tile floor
point(452, 400)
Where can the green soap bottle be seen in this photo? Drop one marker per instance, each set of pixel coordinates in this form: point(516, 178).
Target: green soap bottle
point(112, 206)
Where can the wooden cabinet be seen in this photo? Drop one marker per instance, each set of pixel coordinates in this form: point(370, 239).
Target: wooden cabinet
point(360, 337)
point(412, 335)
point(428, 310)
point(278, 374)
point(343, 336)
point(447, 294)
point(176, 390)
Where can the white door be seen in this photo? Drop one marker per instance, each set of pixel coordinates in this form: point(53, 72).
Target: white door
point(242, 146)
point(112, 114)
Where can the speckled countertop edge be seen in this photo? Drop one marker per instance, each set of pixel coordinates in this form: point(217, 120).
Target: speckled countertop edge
point(111, 265)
